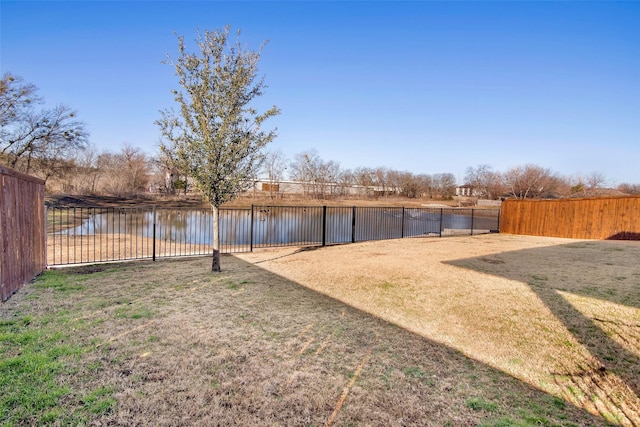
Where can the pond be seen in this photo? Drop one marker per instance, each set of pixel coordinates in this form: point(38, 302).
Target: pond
point(277, 226)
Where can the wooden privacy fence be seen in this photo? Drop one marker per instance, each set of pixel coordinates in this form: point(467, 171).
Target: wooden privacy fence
point(22, 230)
point(603, 218)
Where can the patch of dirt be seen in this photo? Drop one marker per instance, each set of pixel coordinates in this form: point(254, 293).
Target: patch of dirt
point(87, 269)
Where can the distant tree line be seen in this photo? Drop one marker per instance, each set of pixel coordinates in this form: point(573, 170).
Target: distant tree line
point(325, 178)
point(54, 145)
point(532, 181)
point(322, 179)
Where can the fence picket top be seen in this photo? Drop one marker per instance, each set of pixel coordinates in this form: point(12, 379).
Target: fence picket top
point(19, 175)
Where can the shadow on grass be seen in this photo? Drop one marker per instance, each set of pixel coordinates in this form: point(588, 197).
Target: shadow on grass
point(600, 275)
point(396, 377)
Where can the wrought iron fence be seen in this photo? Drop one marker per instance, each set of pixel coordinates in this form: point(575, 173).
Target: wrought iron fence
point(89, 235)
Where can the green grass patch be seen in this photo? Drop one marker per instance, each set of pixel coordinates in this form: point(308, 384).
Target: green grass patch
point(31, 358)
point(531, 413)
point(386, 285)
point(419, 373)
point(235, 286)
point(133, 312)
point(37, 357)
point(479, 404)
point(100, 401)
point(57, 280)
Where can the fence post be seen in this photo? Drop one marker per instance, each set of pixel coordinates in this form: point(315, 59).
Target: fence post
point(402, 230)
point(324, 226)
point(251, 230)
point(472, 210)
point(353, 224)
point(441, 218)
point(153, 246)
point(81, 234)
point(46, 238)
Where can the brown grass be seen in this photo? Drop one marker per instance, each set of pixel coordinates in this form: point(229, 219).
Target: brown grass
point(561, 315)
point(493, 330)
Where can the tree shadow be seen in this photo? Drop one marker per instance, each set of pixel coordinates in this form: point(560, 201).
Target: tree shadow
point(406, 378)
point(600, 275)
point(250, 347)
point(625, 235)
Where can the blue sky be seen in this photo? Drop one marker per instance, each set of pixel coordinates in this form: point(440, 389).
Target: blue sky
point(425, 87)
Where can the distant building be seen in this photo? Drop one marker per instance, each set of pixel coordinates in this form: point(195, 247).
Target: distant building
point(467, 190)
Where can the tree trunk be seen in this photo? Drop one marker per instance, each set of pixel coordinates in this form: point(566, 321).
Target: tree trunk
point(215, 264)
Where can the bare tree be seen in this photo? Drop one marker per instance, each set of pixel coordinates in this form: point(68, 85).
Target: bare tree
point(36, 140)
point(217, 134)
point(409, 185)
point(74, 173)
point(443, 185)
point(364, 178)
point(530, 181)
point(344, 182)
point(274, 167)
point(171, 177)
point(394, 181)
point(317, 176)
point(88, 172)
point(486, 183)
point(125, 172)
point(328, 174)
point(629, 188)
point(381, 176)
point(424, 184)
point(16, 99)
point(405, 184)
point(595, 181)
point(136, 168)
point(306, 169)
point(301, 169)
point(109, 166)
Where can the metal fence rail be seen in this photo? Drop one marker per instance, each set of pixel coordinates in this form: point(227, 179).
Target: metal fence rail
point(287, 226)
point(89, 235)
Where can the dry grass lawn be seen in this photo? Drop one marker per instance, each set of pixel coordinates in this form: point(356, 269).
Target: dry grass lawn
point(561, 315)
point(486, 330)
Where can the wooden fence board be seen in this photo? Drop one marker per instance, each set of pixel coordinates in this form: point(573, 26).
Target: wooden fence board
point(22, 230)
point(616, 218)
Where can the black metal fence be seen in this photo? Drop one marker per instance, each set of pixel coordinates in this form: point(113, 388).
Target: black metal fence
point(89, 235)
